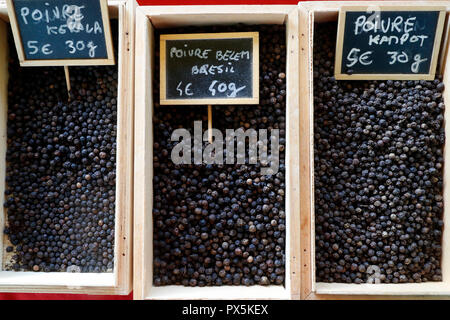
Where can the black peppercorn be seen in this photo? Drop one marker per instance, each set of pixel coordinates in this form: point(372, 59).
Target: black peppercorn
point(60, 168)
point(378, 159)
point(222, 221)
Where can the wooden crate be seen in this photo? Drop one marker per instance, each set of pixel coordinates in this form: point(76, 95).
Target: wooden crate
point(119, 281)
point(319, 12)
point(147, 19)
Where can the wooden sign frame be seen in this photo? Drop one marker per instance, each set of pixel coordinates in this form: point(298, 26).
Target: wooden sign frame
point(203, 36)
point(388, 76)
point(24, 62)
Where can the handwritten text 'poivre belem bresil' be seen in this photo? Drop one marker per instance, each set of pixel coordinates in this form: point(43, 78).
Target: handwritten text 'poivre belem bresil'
point(59, 20)
point(224, 58)
point(388, 31)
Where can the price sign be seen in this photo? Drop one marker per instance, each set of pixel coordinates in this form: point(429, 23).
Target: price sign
point(61, 32)
point(212, 68)
point(385, 42)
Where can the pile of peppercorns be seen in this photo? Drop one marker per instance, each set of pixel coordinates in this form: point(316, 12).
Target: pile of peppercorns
point(378, 161)
point(60, 168)
point(222, 224)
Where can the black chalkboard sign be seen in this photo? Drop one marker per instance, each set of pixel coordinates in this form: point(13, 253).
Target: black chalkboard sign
point(61, 32)
point(212, 68)
point(388, 42)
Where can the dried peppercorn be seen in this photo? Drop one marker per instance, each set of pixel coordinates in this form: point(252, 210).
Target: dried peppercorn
point(217, 224)
point(60, 168)
point(378, 158)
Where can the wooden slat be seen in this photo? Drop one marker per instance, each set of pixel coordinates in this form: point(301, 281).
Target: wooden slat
point(305, 154)
point(125, 149)
point(218, 293)
point(143, 173)
point(314, 296)
point(293, 250)
point(333, 6)
point(175, 16)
